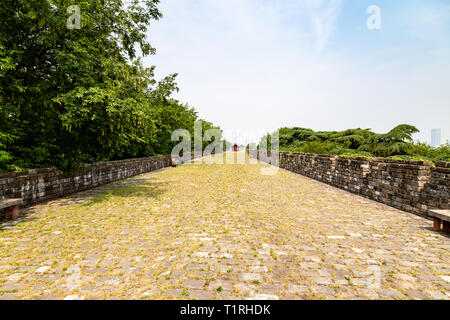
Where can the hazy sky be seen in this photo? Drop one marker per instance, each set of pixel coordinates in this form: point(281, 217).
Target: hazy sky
point(264, 64)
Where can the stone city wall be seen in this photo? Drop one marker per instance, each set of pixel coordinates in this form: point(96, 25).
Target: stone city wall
point(39, 185)
point(413, 186)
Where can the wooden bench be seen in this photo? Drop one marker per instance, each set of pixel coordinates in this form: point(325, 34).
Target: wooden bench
point(441, 216)
point(11, 207)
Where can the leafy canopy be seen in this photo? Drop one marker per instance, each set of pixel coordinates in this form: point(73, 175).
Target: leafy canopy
point(397, 143)
point(73, 96)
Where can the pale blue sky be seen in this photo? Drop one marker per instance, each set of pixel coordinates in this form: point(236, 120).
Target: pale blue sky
point(263, 64)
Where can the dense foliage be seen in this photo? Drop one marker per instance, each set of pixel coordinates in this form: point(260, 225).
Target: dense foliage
point(397, 143)
point(73, 96)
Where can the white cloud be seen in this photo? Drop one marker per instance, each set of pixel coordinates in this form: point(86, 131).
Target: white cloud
point(323, 15)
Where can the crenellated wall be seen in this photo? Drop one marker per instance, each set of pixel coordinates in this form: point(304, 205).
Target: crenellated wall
point(414, 186)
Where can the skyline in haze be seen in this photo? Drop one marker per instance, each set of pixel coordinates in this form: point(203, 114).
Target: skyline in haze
point(258, 65)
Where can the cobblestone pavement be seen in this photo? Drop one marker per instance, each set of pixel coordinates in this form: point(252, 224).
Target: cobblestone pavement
point(221, 232)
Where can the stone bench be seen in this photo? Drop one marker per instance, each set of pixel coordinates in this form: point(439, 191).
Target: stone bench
point(441, 216)
point(11, 207)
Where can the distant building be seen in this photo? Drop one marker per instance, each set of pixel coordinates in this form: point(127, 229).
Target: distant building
point(435, 137)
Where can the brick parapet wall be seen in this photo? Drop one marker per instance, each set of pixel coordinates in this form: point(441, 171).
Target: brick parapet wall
point(413, 186)
point(39, 185)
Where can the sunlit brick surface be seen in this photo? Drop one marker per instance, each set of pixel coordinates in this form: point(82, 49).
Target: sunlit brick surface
point(221, 232)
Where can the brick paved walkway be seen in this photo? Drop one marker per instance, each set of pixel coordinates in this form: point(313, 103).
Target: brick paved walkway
point(221, 232)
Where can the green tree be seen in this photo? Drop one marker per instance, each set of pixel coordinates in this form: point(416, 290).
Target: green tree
point(73, 96)
point(398, 141)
